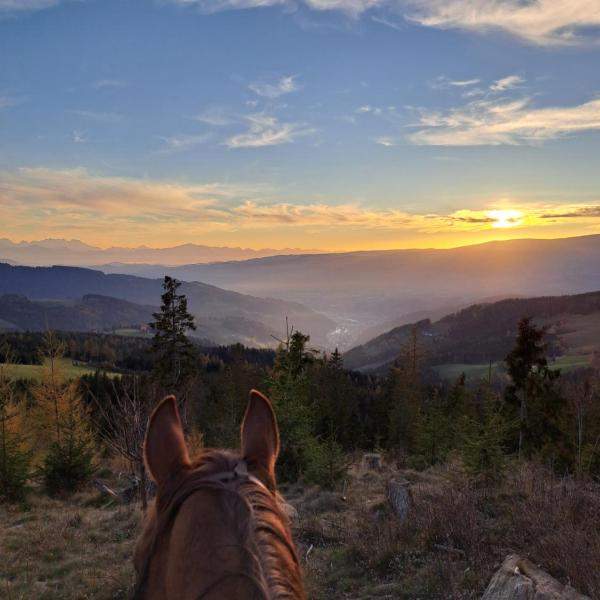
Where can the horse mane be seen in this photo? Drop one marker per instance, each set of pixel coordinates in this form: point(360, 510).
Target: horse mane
point(261, 526)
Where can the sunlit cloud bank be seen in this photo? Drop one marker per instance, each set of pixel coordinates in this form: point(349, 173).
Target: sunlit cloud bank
point(110, 210)
point(504, 121)
point(543, 22)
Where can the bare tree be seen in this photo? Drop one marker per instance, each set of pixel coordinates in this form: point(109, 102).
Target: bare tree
point(580, 395)
point(123, 427)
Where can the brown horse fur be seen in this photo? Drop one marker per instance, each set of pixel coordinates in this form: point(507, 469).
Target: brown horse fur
point(203, 539)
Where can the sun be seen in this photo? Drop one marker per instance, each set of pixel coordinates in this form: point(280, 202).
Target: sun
point(505, 218)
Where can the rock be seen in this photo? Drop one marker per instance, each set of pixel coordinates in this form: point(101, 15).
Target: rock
point(519, 579)
point(399, 496)
point(290, 511)
point(372, 461)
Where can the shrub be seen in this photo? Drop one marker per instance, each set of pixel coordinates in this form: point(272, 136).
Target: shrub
point(67, 465)
point(14, 457)
point(14, 467)
point(325, 462)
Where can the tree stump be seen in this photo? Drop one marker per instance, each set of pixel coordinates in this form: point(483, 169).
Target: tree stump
point(399, 496)
point(372, 461)
point(519, 579)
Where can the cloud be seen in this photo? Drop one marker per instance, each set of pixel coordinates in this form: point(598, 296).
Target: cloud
point(215, 116)
point(367, 109)
point(182, 142)
point(79, 136)
point(105, 117)
point(544, 22)
point(9, 101)
point(506, 83)
point(503, 121)
point(385, 141)
point(76, 202)
point(350, 7)
point(266, 130)
point(443, 82)
point(26, 5)
point(284, 85)
point(211, 6)
point(107, 83)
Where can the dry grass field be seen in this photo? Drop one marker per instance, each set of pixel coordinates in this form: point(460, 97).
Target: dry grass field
point(351, 544)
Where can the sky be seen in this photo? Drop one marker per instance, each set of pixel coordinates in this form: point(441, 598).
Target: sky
point(313, 124)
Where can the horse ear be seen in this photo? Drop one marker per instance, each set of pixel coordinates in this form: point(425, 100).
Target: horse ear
point(165, 451)
point(260, 434)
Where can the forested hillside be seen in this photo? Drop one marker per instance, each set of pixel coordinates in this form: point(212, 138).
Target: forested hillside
point(222, 316)
point(484, 332)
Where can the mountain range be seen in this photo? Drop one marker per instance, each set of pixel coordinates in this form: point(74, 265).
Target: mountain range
point(370, 291)
point(50, 252)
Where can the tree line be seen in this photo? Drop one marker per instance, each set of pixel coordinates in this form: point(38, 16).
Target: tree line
point(325, 412)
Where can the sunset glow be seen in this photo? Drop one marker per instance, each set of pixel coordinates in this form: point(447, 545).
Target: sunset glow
point(503, 219)
point(263, 137)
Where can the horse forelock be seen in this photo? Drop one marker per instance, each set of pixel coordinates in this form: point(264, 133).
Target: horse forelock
point(256, 517)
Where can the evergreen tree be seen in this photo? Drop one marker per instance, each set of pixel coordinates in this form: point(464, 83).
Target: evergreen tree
point(406, 394)
point(64, 445)
point(532, 388)
point(175, 355)
point(14, 457)
point(289, 391)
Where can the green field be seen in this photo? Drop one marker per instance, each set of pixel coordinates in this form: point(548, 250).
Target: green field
point(128, 332)
point(69, 370)
point(481, 371)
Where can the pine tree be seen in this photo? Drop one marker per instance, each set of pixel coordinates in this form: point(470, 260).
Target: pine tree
point(406, 394)
point(289, 391)
point(64, 445)
point(175, 355)
point(14, 457)
point(532, 388)
point(482, 437)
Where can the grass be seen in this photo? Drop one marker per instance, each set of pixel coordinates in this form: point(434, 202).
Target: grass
point(129, 332)
point(351, 547)
point(34, 372)
point(452, 371)
point(63, 550)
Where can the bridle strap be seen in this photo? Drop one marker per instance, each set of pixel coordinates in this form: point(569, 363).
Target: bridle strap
point(227, 480)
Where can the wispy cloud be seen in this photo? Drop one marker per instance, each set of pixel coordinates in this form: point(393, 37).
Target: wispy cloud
point(267, 130)
point(107, 83)
point(79, 136)
point(503, 121)
point(7, 101)
point(272, 90)
point(178, 143)
point(368, 109)
point(506, 83)
point(75, 202)
point(385, 141)
point(27, 5)
point(215, 116)
point(443, 82)
point(350, 7)
point(105, 117)
point(545, 22)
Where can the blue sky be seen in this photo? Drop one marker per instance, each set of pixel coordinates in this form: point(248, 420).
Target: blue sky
point(318, 123)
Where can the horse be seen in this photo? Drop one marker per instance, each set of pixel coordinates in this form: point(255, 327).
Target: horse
point(218, 529)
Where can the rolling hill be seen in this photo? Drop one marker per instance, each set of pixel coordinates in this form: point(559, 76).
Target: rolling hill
point(486, 332)
point(221, 315)
point(365, 291)
point(91, 313)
